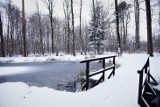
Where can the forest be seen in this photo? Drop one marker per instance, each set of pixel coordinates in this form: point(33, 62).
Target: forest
point(107, 30)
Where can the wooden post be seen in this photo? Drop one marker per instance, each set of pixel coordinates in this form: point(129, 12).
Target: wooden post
point(103, 66)
point(140, 87)
point(114, 65)
point(148, 74)
point(87, 75)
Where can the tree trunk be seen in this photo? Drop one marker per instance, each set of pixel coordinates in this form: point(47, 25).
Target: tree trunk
point(149, 28)
point(66, 8)
point(80, 25)
point(24, 30)
point(159, 13)
point(136, 9)
point(65, 27)
point(49, 4)
point(52, 33)
point(68, 28)
point(117, 27)
point(12, 44)
point(94, 25)
point(124, 33)
point(2, 39)
point(127, 22)
point(74, 54)
point(8, 26)
point(40, 28)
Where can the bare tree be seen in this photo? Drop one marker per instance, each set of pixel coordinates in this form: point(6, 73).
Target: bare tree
point(2, 38)
point(10, 28)
point(149, 28)
point(40, 28)
point(67, 12)
point(50, 7)
point(18, 42)
point(24, 30)
point(13, 36)
point(74, 53)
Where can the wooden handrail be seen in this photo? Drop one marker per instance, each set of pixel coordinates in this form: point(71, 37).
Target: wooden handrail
point(104, 68)
point(98, 58)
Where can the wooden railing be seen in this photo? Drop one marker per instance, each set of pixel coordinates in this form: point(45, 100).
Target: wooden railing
point(146, 92)
point(104, 68)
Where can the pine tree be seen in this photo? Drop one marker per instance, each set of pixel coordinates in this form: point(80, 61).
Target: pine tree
point(124, 19)
point(97, 28)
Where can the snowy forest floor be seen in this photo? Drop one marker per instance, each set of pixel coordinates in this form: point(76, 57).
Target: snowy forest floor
point(119, 91)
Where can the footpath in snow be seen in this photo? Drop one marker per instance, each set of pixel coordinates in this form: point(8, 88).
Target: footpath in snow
point(119, 91)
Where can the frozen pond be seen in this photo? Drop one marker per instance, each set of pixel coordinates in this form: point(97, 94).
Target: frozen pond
point(49, 74)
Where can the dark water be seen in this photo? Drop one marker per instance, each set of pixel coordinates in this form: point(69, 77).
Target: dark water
point(57, 75)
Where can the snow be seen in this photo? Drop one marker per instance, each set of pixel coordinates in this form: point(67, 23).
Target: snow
point(47, 58)
point(155, 67)
point(119, 91)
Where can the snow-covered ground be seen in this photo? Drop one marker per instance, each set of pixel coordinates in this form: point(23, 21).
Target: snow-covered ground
point(119, 91)
point(32, 58)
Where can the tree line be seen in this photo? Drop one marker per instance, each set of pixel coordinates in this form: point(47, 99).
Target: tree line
point(40, 34)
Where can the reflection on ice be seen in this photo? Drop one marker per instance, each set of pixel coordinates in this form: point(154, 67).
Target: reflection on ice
point(12, 70)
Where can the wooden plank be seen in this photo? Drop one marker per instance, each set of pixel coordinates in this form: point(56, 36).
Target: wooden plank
point(101, 78)
point(153, 79)
point(83, 86)
point(153, 92)
point(101, 70)
point(110, 75)
point(144, 103)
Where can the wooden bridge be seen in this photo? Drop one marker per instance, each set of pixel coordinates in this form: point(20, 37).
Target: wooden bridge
point(102, 71)
point(146, 93)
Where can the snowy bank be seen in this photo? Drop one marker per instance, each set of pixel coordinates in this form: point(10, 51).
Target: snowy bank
point(48, 58)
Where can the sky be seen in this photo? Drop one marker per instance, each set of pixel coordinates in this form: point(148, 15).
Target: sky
point(30, 7)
